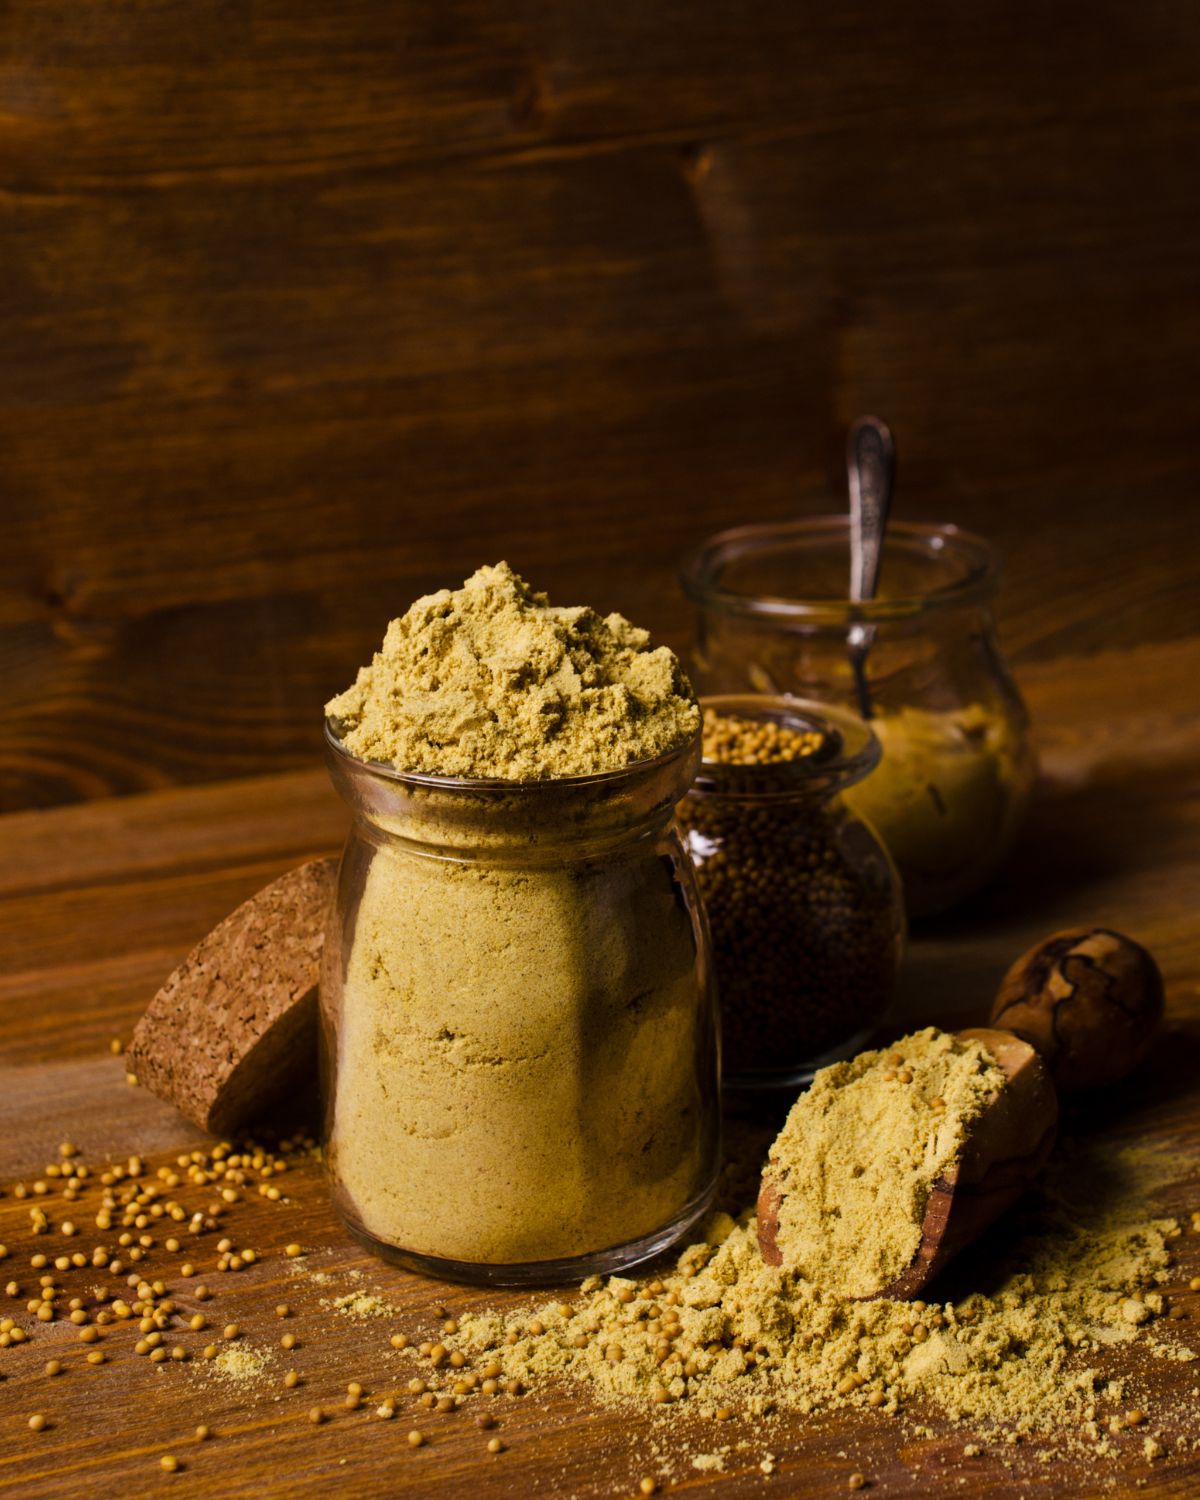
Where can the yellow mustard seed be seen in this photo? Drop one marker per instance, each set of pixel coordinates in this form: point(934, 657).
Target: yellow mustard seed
point(283, 1310)
point(293, 1250)
point(291, 1380)
point(231, 1331)
point(37, 1422)
point(288, 1341)
point(495, 1445)
point(316, 1414)
point(53, 1367)
point(203, 1433)
point(648, 1486)
point(97, 1357)
point(169, 1462)
point(415, 1438)
point(856, 1482)
point(399, 1341)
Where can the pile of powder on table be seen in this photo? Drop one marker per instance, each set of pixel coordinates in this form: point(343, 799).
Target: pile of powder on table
point(493, 681)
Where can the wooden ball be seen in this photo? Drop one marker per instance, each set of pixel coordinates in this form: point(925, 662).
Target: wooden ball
point(1090, 1001)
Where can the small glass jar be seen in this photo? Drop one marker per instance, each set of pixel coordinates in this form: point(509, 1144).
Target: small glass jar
point(518, 1028)
point(804, 906)
point(957, 765)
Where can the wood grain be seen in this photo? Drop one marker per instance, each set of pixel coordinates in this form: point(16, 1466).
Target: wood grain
point(308, 310)
point(100, 899)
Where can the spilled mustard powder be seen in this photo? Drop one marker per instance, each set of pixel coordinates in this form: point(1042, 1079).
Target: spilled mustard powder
point(861, 1150)
point(1016, 1346)
point(493, 681)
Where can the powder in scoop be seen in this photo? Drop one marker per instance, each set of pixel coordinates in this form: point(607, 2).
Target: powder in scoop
point(862, 1149)
point(493, 681)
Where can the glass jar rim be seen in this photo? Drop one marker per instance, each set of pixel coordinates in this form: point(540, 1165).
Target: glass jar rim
point(483, 785)
point(701, 570)
point(855, 754)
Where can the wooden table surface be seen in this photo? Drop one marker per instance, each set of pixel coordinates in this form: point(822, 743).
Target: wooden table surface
point(99, 900)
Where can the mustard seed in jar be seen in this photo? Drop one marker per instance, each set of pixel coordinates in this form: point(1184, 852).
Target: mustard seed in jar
point(803, 904)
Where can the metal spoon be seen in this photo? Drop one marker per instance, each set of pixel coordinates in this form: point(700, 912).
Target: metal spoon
point(870, 468)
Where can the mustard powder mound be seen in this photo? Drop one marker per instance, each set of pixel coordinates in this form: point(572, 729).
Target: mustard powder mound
point(493, 681)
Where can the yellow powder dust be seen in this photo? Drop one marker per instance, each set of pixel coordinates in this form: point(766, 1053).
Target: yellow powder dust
point(361, 1305)
point(493, 681)
point(240, 1366)
point(862, 1149)
point(1016, 1346)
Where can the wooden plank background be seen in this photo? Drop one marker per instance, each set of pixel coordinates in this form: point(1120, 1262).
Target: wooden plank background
point(308, 308)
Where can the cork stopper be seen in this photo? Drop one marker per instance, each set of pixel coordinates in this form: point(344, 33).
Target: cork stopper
point(233, 1031)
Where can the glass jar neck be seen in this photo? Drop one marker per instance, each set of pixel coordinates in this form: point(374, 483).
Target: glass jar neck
point(794, 575)
point(512, 820)
point(848, 751)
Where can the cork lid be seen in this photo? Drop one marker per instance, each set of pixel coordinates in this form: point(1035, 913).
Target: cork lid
point(233, 1031)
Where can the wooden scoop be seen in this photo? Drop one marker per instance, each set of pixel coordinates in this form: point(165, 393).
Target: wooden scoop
point(1007, 1145)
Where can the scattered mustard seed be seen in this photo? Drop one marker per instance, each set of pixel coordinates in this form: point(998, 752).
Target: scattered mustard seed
point(415, 1438)
point(169, 1462)
point(495, 1445)
point(37, 1422)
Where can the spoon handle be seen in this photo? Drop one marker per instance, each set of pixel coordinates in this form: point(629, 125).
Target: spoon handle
point(870, 464)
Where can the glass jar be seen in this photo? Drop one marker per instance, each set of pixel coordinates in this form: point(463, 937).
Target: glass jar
point(803, 903)
point(957, 764)
point(518, 1028)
